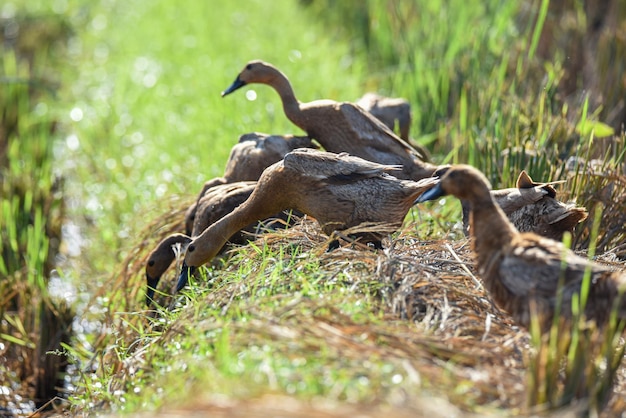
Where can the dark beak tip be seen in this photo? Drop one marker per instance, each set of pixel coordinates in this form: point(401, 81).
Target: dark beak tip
point(149, 297)
point(237, 84)
point(152, 284)
point(182, 282)
point(183, 278)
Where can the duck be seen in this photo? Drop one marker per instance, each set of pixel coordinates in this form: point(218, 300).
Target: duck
point(338, 126)
point(390, 111)
point(217, 202)
point(521, 270)
point(159, 260)
point(533, 207)
point(252, 154)
point(340, 191)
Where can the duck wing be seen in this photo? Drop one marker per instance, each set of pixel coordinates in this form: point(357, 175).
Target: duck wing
point(219, 201)
point(328, 166)
point(373, 132)
point(513, 199)
point(566, 213)
point(535, 265)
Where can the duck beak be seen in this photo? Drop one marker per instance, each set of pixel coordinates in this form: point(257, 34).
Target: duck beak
point(236, 85)
point(431, 194)
point(185, 272)
point(152, 284)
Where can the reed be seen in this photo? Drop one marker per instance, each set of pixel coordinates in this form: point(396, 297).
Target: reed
point(576, 364)
point(34, 322)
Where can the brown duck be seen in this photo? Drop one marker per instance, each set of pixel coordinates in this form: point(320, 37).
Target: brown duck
point(338, 126)
point(390, 111)
point(339, 190)
point(533, 207)
point(521, 271)
point(248, 158)
point(216, 203)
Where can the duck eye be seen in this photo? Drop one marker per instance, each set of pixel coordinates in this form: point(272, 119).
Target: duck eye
point(191, 248)
point(151, 263)
point(249, 67)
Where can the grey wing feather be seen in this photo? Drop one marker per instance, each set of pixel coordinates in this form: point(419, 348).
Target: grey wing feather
point(325, 164)
point(512, 199)
point(369, 128)
point(537, 270)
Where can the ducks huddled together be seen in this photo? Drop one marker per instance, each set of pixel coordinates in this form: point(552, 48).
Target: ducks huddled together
point(366, 174)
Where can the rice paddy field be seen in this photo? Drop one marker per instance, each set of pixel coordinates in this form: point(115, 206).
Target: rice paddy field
point(112, 120)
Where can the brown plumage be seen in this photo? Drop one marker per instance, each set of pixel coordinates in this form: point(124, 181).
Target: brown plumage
point(160, 259)
point(248, 158)
point(338, 126)
point(521, 271)
point(532, 207)
point(216, 203)
point(338, 190)
point(389, 110)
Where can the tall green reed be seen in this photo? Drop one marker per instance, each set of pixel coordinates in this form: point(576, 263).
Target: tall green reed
point(31, 217)
point(482, 94)
point(575, 363)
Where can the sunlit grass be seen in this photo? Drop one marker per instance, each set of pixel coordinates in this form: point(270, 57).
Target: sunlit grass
point(151, 119)
point(175, 130)
point(143, 126)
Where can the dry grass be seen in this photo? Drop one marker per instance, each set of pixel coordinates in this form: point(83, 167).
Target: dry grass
point(604, 190)
point(435, 319)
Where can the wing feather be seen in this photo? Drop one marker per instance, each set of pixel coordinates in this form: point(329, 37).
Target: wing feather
point(326, 165)
point(532, 267)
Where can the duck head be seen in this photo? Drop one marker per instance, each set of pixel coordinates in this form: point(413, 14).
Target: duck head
point(201, 250)
point(159, 260)
point(254, 72)
point(462, 181)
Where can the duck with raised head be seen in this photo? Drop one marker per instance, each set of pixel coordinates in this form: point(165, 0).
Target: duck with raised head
point(339, 190)
point(533, 207)
point(216, 203)
point(522, 271)
point(248, 158)
point(338, 126)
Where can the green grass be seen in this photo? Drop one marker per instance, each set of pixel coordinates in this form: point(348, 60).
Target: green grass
point(142, 126)
point(138, 144)
point(31, 211)
point(577, 361)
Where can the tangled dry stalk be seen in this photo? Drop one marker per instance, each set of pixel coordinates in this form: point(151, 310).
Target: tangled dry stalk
point(436, 319)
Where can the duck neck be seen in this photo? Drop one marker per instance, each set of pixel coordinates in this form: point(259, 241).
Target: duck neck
point(490, 229)
point(208, 244)
point(291, 105)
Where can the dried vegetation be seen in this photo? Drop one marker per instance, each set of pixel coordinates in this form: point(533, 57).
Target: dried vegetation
point(430, 315)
